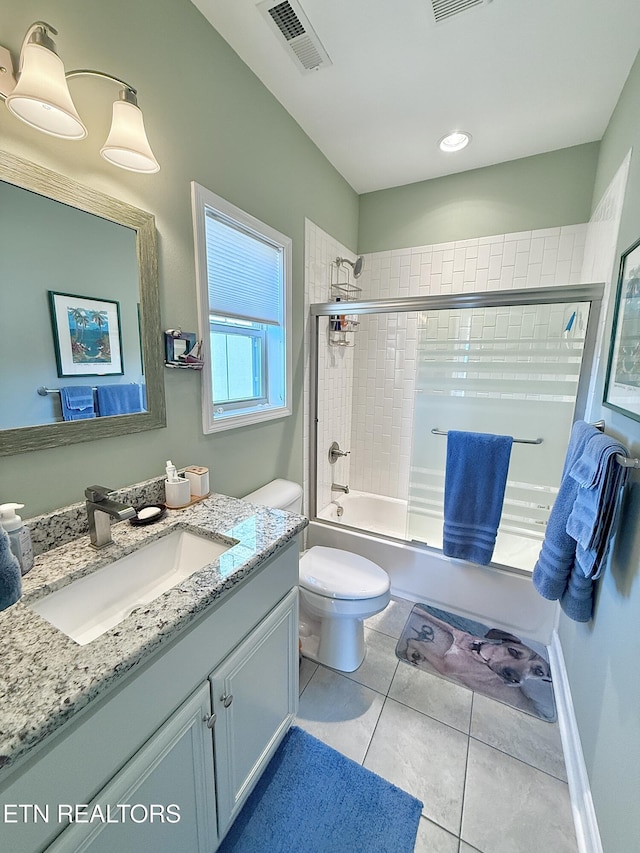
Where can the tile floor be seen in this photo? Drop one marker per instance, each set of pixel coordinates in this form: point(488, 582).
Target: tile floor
point(492, 778)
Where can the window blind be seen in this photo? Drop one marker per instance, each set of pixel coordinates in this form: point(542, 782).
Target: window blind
point(244, 273)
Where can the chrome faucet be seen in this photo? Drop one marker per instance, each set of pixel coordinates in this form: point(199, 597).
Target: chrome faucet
point(336, 487)
point(100, 511)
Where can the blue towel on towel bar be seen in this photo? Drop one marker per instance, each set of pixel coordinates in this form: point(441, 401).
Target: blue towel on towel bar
point(475, 481)
point(557, 556)
point(600, 480)
point(119, 399)
point(576, 542)
point(77, 402)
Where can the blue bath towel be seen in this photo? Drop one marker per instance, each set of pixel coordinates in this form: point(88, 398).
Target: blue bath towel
point(119, 399)
point(10, 576)
point(557, 556)
point(600, 480)
point(77, 402)
point(475, 481)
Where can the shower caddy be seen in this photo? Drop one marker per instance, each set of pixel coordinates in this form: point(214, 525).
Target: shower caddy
point(342, 326)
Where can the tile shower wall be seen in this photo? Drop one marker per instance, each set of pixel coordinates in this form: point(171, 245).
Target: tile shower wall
point(335, 366)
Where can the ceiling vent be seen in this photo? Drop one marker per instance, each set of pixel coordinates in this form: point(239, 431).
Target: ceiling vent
point(444, 9)
point(291, 24)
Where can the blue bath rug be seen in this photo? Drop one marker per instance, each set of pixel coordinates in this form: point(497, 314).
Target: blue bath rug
point(312, 799)
point(488, 660)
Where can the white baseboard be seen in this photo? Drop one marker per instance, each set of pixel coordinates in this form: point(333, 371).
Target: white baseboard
point(584, 816)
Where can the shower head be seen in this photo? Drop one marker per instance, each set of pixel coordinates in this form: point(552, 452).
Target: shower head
point(355, 265)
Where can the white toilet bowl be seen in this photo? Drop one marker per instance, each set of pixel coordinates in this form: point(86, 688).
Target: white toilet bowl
point(338, 590)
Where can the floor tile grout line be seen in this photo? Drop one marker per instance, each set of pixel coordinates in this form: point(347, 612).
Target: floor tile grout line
point(466, 771)
point(375, 728)
point(517, 758)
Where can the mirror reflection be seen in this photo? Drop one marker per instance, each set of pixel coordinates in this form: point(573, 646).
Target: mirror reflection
point(69, 325)
point(80, 341)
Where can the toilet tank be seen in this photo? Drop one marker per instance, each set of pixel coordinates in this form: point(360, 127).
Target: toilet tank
point(278, 494)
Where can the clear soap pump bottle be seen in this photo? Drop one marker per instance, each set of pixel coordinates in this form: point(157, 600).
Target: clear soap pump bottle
point(19, 535)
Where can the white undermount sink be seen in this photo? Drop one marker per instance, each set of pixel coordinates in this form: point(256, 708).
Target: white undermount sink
point(91, 605)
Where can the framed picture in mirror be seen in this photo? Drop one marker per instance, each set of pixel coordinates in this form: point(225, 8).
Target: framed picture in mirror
point(86, 334)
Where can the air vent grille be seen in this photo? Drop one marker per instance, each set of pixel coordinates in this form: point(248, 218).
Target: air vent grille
point(443, 9)
point(290, 22)
point(287, 21)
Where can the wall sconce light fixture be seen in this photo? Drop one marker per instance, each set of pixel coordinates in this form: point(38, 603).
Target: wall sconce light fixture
point(39, 96)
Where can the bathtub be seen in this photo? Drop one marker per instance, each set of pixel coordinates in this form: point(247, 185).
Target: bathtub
point(496, 595)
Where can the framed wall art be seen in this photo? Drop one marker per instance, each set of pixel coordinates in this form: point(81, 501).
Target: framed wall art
point(86, 335)
point(622, 387)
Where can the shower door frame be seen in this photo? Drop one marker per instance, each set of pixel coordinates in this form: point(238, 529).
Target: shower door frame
point(591, 293)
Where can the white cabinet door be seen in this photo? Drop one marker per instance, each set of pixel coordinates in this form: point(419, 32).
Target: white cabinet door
point(163, 799)
point(255, 697)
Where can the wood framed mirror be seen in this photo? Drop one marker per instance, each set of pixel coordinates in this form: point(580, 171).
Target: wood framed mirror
point(58, 236)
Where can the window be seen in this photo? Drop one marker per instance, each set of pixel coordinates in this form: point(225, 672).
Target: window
point(244, 296)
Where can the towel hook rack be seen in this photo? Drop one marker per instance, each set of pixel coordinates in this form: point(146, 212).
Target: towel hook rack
point(436, 431)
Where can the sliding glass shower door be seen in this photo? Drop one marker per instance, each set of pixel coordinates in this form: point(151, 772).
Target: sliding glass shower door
point(508, 370)
point(509, 363)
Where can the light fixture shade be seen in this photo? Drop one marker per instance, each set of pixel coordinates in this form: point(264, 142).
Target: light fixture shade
point(127, 145)
point(41, 96)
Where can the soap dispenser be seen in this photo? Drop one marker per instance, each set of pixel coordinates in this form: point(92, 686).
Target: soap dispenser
point(19, 536)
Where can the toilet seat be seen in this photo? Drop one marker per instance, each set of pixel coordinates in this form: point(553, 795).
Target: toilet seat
point(334, 573)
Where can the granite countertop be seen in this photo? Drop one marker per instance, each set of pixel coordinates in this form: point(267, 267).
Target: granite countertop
point(47, 677)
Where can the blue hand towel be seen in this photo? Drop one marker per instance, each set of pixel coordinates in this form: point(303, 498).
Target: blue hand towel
point(119, 399)
point(577, 598)
point(10, 577)
point(475, 481)
point(77, 402)
point(557, 556)
point(600, 480)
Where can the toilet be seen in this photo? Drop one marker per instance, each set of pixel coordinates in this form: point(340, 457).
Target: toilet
point(338, 590)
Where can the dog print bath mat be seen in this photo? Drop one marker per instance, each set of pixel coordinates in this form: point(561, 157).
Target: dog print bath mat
point(487, 660)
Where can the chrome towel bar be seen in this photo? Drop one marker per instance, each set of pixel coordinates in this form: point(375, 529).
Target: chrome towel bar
point(625, 461)
point(516, 440)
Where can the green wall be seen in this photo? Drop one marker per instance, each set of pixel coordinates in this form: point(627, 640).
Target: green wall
point(602, 656)
point(534, 192)
point(210, 120)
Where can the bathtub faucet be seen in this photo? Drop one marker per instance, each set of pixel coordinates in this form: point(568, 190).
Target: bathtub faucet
point(336, 487)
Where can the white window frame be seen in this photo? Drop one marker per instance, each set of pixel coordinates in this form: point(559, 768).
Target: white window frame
point(203, 199)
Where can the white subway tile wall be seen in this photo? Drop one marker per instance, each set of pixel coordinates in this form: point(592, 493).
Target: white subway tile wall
point(335, 365)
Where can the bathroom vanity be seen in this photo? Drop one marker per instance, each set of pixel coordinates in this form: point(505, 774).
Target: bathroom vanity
point(153, 734)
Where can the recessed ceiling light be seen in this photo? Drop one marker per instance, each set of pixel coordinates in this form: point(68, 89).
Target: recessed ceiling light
point(455, 141)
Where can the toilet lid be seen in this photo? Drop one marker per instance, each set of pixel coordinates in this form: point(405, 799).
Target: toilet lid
point(340, 574)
